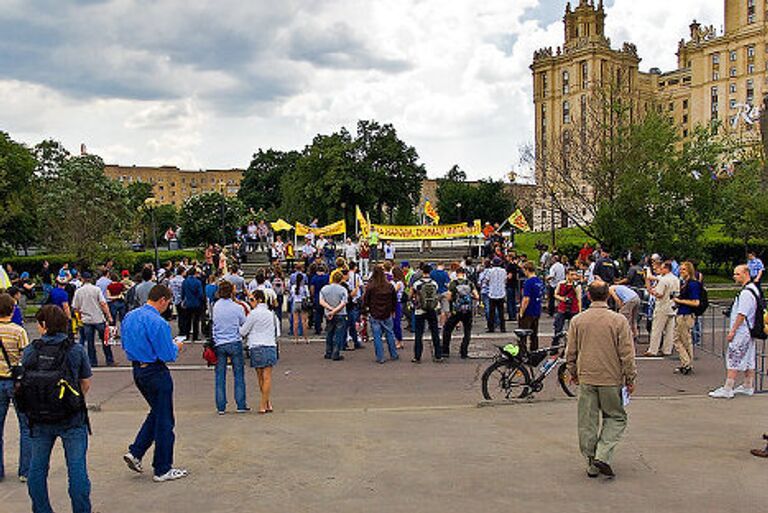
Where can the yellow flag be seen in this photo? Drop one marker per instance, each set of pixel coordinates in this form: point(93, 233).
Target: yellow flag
point(362, 221)
point(431, 212)
point(517, 219)
point(281, 225)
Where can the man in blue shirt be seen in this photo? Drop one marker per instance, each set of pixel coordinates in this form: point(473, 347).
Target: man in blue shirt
point(193, 299)
point(530, 307)
point(756, 268)
point(442, 278)
point(147, 342)
point(59, 296)
point(318, 281)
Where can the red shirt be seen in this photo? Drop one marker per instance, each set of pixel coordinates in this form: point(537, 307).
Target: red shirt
point(568, 291)
point(115, 289)
point(584, 254)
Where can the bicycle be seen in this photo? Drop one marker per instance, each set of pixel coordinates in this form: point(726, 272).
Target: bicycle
point(514, 373)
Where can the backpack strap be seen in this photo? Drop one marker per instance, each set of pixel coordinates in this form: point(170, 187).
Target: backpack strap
point(758, 304)
point(5, 355)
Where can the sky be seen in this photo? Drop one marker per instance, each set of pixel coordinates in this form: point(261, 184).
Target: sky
point(205, 84)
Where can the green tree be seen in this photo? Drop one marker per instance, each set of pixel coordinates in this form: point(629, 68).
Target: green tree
point(50, 156)
point(260, 188)
point(85, 212)
point(744, 202)
point(462, 201)
point(202, 216)
point(19, 194)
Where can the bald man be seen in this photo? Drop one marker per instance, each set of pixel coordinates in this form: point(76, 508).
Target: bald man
point(741, 347)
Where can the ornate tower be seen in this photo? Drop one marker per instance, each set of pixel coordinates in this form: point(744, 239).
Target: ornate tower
point(585, 24)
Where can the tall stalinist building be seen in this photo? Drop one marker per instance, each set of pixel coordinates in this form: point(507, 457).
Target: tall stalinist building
point(721, 75)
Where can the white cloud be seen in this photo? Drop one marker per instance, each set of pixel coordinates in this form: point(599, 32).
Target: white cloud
point(205, 84)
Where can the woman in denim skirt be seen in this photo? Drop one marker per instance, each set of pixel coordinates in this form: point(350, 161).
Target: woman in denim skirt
point(261, 330)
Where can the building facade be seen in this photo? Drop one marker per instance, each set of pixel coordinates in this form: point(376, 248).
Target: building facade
point(171, 185)
point(721, 76)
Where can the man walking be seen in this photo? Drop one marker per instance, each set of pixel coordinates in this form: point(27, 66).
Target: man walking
point(462, 295)
point(497, 293)
point(555, 276)
point(600, 358)
point(667, 288)
point(90, 303)
point(147, 342)
point(756, 268)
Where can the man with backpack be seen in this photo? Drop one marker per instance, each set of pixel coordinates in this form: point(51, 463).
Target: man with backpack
point(462, 294)
point(746, 324)
point(55, 378)
point(427, 302)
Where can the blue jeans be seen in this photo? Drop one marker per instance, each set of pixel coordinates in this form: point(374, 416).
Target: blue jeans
point(230, 352)
point(336, 336)
point(387, 326)
point(512, 303)
point(75, 442)
point(353, 317)
point(6, 397)
point(156, 386)
point(88, 337)
point(696, 333)
point(487, 308)
point(117, 310)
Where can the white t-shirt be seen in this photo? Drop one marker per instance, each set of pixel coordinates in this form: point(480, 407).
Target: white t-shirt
point(87, 301)
point(746, 305)
point(389, 252)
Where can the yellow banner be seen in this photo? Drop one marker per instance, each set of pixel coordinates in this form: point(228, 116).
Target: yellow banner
point(337, 228)
point(446, 231)
point(281, 225)
point(517, 219)
point(361, 221)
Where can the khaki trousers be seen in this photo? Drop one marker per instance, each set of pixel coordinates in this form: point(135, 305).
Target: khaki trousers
point(663, 324)
point(683, 339)
point(596, 441)
point(630, 310)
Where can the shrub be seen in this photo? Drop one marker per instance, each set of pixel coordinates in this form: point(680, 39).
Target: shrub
point(132, 261)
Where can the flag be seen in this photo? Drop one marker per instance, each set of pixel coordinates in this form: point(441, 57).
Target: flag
point(362, 221)
point(431, 212)
point(517, 219)
point(281, 225)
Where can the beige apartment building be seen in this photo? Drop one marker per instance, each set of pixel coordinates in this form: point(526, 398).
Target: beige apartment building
point(171, 185)
point(721, 76)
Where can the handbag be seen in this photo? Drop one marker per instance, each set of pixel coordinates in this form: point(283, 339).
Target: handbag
point(15, 370)
point(209, 354)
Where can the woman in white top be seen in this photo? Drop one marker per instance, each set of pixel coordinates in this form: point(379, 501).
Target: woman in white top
point(299, 294)
point(260, 331)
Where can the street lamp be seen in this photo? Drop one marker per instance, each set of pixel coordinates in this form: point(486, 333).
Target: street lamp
point(458, 209)
point(552, 217)
point(151, 204)
point(222, 191)
point(344, 209)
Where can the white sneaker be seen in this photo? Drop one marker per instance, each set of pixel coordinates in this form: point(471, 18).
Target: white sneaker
point(741, 390)
point(721, 393)
point(171, 475)
point(133, 462)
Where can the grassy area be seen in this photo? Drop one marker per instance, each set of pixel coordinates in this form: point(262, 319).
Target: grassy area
point(525, 242)
point(720, 294)
point(31, 310)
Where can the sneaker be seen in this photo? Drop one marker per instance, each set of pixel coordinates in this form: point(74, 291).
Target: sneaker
point(23, 479)
point(438, 360)
point(171, 475)
point(721, 393)
point(243, 410)
point(742, 390)
point(133, 462)
point(415, 360)
point(221, 412)
point(604, 468)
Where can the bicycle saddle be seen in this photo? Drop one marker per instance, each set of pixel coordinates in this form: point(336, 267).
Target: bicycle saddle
point(523, 333)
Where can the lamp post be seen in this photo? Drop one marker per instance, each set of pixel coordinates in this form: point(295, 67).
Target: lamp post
point(552, 216)
point(222, 191)
point(458, 209)
point(344, 210)
point(151, 204)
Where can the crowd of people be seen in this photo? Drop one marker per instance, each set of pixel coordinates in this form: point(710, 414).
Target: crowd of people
point(355, 297)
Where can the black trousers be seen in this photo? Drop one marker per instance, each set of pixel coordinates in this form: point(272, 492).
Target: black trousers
point(466, 323)
point(531, 323)
point(428, 318)
point(497, 306)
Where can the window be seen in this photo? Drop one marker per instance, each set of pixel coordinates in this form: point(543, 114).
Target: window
point(733, 103)
point(750, 68)
point(715, 75)
point(751, 51)
point(544, 85)
point(685, 119)
point(715, 59)
point(671, 106)
point(566, 82)
point(733, 55)
point(685, 133)
point(733, 72)
point(732, 88)
point(584, 75)
point(566, 112)
point(685, 104)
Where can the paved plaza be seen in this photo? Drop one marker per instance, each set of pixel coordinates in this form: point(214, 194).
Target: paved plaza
point(357, 436)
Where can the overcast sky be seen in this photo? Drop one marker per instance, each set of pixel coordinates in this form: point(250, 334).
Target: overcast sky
point(205, 84)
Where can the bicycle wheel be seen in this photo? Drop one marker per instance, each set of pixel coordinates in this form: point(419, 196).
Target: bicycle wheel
point(503, 380)
point(565, 381)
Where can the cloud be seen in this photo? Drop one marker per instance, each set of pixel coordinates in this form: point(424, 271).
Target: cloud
point(205, 84)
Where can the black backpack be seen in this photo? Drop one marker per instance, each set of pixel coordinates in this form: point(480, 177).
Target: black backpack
point(703, 302)
point(758, 330)
point(47, 392)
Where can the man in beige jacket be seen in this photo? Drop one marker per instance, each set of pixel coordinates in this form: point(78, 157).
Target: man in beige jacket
point(601, 359)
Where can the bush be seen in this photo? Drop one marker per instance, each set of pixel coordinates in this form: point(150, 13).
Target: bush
point(722, 255)
point(132, 261)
